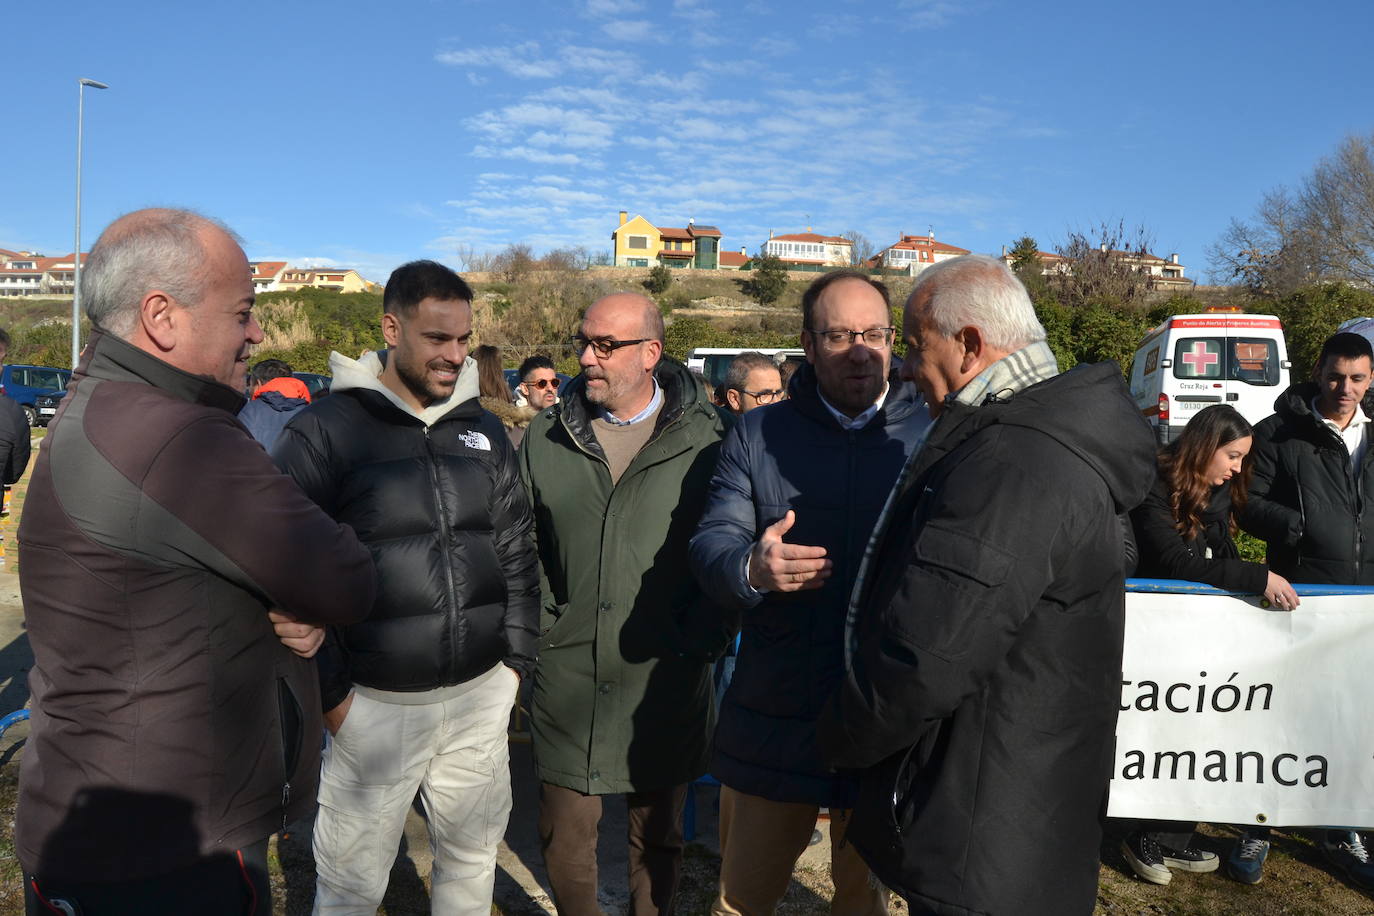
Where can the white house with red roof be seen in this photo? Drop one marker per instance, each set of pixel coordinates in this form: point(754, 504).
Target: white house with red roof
point(28, 273)
point(809, 249)
point(1163, 273)
point(914, 253)
point(267, 275)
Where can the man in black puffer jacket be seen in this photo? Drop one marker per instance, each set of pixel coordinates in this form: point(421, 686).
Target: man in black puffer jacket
point(804, 476)
point(1312, 471)
point(987, 625)
point(419, 694)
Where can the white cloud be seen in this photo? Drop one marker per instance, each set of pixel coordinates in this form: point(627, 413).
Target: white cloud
point(540, 157)
point(522, 61)
point(925, 14)
point(634, 30)
point(775, 47)
point(613, 7)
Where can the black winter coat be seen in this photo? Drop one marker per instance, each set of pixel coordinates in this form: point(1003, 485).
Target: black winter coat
point(793, 455)
point(14, 441)
point(1166, 554)
point(442, 510)
point(982, 696)
point(1305, 502)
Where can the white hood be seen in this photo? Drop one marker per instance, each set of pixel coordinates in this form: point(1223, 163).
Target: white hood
point(366, 371)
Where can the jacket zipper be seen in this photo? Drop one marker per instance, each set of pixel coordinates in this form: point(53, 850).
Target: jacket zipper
point(288, 705)
point(452, 596)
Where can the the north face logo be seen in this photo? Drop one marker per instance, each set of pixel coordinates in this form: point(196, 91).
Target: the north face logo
point(473, 439)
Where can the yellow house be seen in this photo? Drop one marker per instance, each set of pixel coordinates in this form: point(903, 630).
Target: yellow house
point(345, 280)
point(637, 242)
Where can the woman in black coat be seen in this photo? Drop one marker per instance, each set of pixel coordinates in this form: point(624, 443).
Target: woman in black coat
point(1185, 529)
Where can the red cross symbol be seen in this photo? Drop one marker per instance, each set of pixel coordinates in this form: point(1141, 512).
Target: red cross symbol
point(1200, 358)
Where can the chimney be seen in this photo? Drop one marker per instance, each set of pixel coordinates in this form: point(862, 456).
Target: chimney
point(623, 217)
point(808, 228)
point(1173, 258)
point(691, 220)
point(1004, 251)
point(744, 250)
point(1103, 247)
point(770, 233)
point(930, 231)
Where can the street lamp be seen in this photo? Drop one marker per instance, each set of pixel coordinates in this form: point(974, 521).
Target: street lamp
point(81, 85)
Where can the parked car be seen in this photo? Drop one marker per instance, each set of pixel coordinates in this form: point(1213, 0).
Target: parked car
point(318, 384)
point(26, 383)
point(46, 406)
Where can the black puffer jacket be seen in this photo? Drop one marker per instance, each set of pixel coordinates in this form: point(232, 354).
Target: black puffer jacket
point(793, 455)
point(14, 441)
point(1166, 554)
point(1304, 499)
point(983, 693)
point(439, 503)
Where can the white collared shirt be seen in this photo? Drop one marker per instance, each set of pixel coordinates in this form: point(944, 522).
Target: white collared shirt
point(1353, 434)
point(862, 419)
point(652, 406)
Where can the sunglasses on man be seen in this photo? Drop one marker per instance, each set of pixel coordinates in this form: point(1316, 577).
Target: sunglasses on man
point(543, 383)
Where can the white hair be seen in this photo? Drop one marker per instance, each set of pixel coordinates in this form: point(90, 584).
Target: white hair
point(979, 291)
point(154, 249)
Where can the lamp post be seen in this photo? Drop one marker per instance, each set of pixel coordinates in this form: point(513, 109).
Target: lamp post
point(81, 85)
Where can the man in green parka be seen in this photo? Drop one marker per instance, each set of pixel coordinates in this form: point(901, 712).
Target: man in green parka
point(617, 475)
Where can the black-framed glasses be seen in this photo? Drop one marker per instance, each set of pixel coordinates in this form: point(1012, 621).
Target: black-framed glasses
point(837, 339)
point(602, 346)
point(543, 383)
point(766, 396)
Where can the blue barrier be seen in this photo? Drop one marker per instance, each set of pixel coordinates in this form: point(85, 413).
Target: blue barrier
point(1180, 587)
point(19, 715)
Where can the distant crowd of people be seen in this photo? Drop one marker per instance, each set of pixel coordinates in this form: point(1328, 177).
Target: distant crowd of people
point(915, 578)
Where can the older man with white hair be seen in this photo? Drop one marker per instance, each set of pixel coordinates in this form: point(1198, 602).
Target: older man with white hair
point(985, 631)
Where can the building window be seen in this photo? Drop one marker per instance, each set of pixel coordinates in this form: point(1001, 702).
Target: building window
point(637, 241)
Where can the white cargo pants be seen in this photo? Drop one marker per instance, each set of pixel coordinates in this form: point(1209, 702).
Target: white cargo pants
point(455, 753)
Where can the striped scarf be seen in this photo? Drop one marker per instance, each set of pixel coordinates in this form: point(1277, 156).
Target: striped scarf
point(998, 382)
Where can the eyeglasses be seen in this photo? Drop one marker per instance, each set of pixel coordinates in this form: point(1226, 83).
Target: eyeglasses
point(766, 396)
point(836, 339)
point(602, 346)
point(543, 383)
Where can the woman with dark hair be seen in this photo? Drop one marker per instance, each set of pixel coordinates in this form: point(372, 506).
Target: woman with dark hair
point(496, 396)
point(1185, 529)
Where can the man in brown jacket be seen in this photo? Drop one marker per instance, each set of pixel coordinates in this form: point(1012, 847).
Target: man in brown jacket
point(171, 577)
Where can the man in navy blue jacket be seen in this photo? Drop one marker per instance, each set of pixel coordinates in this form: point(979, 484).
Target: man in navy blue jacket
point(797, 490)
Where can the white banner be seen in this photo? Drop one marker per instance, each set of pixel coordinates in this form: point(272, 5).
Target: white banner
point(1235, 714)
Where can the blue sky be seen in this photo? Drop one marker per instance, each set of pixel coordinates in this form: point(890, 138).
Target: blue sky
point(368, 134)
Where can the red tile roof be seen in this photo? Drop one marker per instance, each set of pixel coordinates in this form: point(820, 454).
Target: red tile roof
point(733, 259)
point(669, 232)
point(912, 242)
point(266, 270)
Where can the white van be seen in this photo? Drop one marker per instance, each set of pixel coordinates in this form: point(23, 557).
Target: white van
point(1191, 361)
point(713, 362)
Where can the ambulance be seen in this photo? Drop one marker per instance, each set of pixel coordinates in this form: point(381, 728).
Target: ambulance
point(1217, 357)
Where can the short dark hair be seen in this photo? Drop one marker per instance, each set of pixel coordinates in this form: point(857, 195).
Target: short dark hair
point(538, 361)
point(737, 375)
point(263, 372)
point(416, 281)
point(1344, 345)
point(818, 286)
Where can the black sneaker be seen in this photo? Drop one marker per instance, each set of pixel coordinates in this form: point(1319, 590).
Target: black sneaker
point(1145, 857)
point(1345, 849)
point(1190, 859)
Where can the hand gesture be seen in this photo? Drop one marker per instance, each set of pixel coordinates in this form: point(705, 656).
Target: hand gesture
point(778, 567)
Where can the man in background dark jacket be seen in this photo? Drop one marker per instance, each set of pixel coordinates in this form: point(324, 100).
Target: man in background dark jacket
point(986, 631)
point(172, 732)
point(797, 489)
point(275, 396)
point(1313, 471)
point(14, 441)
point(419, 695)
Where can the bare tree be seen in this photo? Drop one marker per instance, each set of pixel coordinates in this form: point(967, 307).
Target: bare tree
point(1105, 266)
point(1271, 255)
point(1322, 231)
point(1337, 203)
point(861, 250)
point(473, 261)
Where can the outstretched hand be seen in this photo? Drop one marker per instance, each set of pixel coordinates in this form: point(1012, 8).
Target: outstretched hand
point(778, 567)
